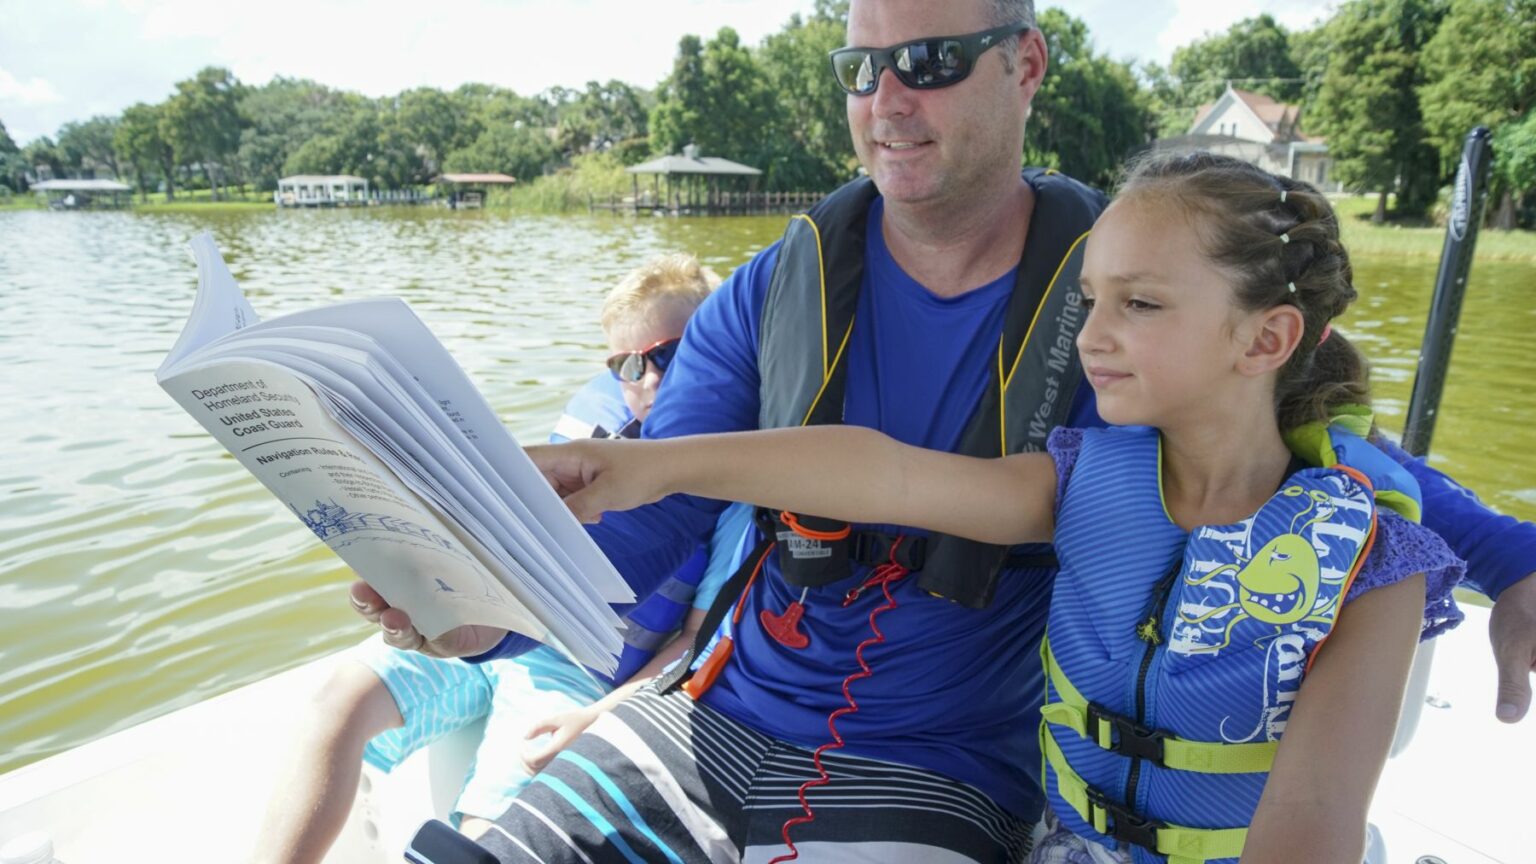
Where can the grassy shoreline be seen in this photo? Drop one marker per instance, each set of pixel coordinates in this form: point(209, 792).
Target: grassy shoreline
point(566, 192)
point(1362, 238)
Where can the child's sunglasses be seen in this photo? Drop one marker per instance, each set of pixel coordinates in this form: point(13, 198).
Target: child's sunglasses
point(631, 365)
point(922, 64)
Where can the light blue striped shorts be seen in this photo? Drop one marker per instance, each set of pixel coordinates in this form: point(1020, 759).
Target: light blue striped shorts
point(438, 697)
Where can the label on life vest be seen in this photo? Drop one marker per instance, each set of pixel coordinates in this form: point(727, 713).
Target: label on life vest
point(802, 548)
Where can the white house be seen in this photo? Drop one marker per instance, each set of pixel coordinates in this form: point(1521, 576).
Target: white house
point(331, 190)
point(1256, 128)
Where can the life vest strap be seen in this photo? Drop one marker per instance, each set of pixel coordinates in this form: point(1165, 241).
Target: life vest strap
point(732, 595)
point(643, 638)
point(677, 590)
point(1182, 845)
point(1120, 734)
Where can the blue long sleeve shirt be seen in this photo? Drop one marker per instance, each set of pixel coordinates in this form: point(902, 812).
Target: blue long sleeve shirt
point(954, 690)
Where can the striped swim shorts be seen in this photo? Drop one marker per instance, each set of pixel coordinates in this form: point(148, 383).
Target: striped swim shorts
point(665, 779)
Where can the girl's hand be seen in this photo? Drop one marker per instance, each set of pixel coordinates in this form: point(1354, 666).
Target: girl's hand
point(595, 476)
point(564, 728)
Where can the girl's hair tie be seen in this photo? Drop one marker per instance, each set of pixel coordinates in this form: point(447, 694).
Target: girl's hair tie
point(1291, 287)
point(1327, 331)
point(1285, 238)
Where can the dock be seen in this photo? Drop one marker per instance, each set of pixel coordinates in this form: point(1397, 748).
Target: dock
point(713, 202)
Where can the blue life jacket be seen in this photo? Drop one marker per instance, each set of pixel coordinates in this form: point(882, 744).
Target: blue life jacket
point(598, 411)
point(1173, 658)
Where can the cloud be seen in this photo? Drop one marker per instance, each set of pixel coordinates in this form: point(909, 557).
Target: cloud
point(1196, 19)
point(126, 51)
point(35, 91)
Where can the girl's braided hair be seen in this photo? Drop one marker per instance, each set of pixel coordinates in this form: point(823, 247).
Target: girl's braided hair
point(1278, 241)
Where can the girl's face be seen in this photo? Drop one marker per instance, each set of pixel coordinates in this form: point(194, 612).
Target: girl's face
point(1163, 340)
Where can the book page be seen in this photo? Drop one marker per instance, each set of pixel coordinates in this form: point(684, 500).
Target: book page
point(273, 423)
point(220, 307)
point(355, 416)
point(400, 334)
point(428, 468)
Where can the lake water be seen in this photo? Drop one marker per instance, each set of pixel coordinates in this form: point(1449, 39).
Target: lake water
point(142, 569)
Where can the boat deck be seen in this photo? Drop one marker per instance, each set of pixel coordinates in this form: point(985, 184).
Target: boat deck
point(192, 786)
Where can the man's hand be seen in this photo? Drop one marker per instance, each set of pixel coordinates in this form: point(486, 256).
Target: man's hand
point(595, 476)
point(564, 727)
point(1512, 629)
point(466, 641)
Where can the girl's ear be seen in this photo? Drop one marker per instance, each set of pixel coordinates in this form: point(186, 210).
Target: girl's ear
point(1275, 335)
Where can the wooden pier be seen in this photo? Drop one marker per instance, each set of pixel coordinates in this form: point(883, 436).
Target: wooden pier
point(712, 202)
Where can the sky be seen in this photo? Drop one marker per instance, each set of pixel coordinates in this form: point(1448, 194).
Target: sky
point(63, 60)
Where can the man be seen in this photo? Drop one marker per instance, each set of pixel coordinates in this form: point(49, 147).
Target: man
point(932, 754)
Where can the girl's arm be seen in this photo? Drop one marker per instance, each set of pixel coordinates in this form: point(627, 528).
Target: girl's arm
point(848, 473)
point(1315, 803)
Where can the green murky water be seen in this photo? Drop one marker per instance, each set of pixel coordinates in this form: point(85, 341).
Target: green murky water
point(141, 569)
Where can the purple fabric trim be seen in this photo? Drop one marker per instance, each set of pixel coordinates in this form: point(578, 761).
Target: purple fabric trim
point(1064, 445)
point(1404, 548)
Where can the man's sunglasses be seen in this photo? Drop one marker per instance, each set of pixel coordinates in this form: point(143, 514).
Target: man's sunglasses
point(631, 365)
point(922, 64)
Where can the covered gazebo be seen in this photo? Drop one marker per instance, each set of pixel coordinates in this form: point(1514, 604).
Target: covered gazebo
point(692, 181)
point(77, 194)
point(467, 191)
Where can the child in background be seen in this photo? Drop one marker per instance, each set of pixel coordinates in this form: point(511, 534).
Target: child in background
point(387, 703)
point(1208, 543)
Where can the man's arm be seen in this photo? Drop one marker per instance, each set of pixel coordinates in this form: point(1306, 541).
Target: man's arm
point(1500, 552)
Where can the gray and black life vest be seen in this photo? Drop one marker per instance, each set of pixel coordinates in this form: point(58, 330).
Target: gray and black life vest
point(807, 323)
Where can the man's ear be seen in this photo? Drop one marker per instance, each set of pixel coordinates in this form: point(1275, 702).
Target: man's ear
point(1273, 336)
point(1031, 63)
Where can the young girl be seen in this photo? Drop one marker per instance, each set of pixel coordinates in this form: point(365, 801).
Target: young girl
point(1208, 542)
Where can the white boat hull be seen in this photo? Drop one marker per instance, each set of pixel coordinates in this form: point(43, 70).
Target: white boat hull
point(193, 786)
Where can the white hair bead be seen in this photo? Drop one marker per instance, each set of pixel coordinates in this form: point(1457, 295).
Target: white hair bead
point(1285, 238)
point(1291, 286)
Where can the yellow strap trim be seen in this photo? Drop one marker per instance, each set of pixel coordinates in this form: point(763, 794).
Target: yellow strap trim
point(826, 365)
point(1400, 503)
point(1184, 845)
point(828, 379)
point(1002, 395)
point(821, 270)
point(1043, 299)
point(1005, 380)
point(1200, 757)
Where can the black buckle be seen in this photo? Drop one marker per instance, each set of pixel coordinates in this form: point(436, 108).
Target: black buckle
point(873, 548)
point(1123, 824)
point(1131, 738)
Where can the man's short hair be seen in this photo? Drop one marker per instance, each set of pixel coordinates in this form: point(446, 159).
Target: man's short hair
point(1005, 12)
point(674, 278)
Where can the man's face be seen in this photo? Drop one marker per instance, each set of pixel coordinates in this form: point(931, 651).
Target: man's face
point(658, 325)
point(923, 146)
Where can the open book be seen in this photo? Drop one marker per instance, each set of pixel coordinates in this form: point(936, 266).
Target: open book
point(357, 419)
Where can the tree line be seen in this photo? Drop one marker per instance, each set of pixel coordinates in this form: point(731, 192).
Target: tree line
point(1393, 85)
